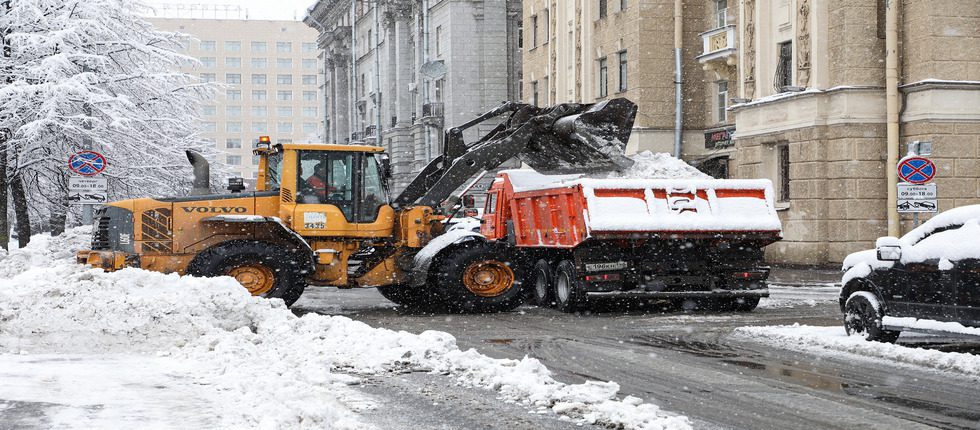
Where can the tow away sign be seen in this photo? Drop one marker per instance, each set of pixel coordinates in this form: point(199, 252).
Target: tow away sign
point(87, 190)
point(917, 198)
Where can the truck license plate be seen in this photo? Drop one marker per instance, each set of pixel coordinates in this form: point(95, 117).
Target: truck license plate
point(605, 267)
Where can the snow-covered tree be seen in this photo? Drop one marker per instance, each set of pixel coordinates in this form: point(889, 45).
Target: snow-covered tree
point(92, 74)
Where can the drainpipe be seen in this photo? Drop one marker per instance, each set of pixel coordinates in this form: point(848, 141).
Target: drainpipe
point(678, 76)
point(425, 82)
point(352, 87)
point(891, 101)
point(377, 72)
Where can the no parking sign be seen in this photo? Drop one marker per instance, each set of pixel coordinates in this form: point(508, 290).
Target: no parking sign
point(916, 170)
point(87, 163)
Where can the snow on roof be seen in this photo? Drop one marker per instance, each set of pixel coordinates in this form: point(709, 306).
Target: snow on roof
point(204, 336)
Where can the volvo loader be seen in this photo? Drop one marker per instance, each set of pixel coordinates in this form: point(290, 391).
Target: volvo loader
point(321, 214)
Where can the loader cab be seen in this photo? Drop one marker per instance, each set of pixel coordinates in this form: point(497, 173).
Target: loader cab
point(329, 190)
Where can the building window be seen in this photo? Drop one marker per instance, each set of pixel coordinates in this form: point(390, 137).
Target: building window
point(208, 127)
point(309, 112)
point(233, 94)
point(234, 160)
point(284, 63)
point(233, 62)
point(438, 40)
point(207, 45)
point(259, 63)
point(259, 79)
point(602, 8)
point(208, 77)
point(309, 96)
point(209, 61)
point(233, 111)
point(284, 47)
point(260, 127)
point(440, 89)
point(233, 127)
point(284, 111)
point(284, 79)
point(209, 110)
point(309, 79)
point(309, 63)
point(623, 68)
point(784, 68)
point(722, 101)
point(309, 47)
point(534, 31)
point(259, 95)
point(260, 111)
point(284, 127)
point(233, 46)
point(284, 95)
point(309, 127)
point(721, 13)
point(603, 78)
point(260, 47)
point(534, 93)
point(623, 4)
point(233, 143)
point(233, 78)
point(783, 163)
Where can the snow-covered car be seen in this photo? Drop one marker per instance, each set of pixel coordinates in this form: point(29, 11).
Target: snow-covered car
point(928, 279)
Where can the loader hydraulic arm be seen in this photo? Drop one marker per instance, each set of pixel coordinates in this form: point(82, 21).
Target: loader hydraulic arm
point(566, 138)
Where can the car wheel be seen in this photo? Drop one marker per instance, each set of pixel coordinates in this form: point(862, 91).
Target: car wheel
point(862, 317)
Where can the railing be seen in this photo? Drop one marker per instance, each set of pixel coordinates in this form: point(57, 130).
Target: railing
point(433, 110)
point(718, 44)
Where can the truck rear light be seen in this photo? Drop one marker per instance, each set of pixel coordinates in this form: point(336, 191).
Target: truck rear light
point(749, 275)
point(603, 277)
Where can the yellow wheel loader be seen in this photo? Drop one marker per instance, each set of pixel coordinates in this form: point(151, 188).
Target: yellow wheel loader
point(321, 215)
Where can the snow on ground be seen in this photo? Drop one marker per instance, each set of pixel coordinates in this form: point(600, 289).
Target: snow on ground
point(834, 341)
point(137, 348)
point(781, 296)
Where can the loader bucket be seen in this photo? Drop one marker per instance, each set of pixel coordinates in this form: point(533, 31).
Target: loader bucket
point(583, 138)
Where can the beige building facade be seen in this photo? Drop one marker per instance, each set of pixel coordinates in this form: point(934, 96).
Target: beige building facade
point(790, 90)
point(270, 74)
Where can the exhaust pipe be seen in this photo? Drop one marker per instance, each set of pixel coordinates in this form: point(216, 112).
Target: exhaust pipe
point(202, 173)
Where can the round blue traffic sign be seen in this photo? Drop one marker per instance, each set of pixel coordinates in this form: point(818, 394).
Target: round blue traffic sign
point(916, 170)
point(87, 163)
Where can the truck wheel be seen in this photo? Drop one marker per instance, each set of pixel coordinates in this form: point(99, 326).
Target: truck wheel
point(862, 317)
point(480, 277)
point(568, 290)
point(264, 270)
point(542, 284)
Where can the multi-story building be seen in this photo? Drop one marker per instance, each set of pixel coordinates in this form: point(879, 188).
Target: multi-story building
point(790, 90)
point(269, 72)
point(406, 69)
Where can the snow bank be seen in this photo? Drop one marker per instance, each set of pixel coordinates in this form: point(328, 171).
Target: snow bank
point(834, 341)
point(253, 361)
point(930, 325)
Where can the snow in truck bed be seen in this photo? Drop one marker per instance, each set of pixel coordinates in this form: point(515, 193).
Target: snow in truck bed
point(140, 349)
point(666, 173)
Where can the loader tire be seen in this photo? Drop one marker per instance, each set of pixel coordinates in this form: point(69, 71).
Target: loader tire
point(569, 296)
point(408, 297)
point(478, 278)
point(264, 270)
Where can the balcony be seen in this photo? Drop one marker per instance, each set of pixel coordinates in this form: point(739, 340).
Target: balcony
point(432, 113)
point(719, 47)
point(357, 137)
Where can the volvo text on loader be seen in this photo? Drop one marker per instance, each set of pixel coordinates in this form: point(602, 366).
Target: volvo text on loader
point(321, 214)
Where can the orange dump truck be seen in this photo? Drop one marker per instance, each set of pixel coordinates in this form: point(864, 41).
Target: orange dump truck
point(692, 242)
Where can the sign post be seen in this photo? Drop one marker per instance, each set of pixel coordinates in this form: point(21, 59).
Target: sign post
point(87, 190)
point(916, 195)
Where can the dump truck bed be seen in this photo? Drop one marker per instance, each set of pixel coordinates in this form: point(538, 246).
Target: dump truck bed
point(564, 211)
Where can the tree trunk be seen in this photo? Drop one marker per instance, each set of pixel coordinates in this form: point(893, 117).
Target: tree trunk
point(4, 223)
point(20, 210)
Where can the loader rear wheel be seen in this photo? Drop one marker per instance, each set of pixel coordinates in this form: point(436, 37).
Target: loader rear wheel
point(478, 277)
point(264, 270)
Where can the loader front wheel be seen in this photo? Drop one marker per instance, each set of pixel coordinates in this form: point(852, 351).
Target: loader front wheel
point(478, 278)
point(264, 270)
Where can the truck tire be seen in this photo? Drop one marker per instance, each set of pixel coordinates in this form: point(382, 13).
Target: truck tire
point(264, 270)
point(478, 277)
point(541, 287)
point(745, 304)
point(568, 293)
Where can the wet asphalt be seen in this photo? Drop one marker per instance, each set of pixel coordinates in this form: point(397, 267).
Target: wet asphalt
point(686, 362)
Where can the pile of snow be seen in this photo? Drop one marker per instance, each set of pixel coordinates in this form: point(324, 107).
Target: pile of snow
point(930, 325)
point(243, 361)
point(940, 239)
point(649, 165)
point(834, 341)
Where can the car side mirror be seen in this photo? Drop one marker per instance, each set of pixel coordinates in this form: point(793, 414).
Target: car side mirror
point(889, 253)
